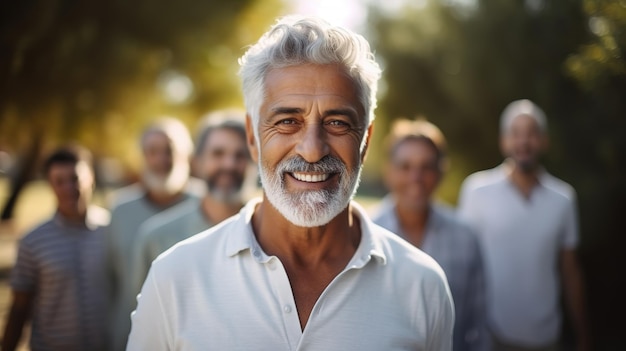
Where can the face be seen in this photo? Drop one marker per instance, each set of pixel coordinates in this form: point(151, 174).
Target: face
point(524, 142)
point(166, 171)
point(414, 173)
point(158, 154)
point(223, 163)
point(310, 129)
point(72, 185)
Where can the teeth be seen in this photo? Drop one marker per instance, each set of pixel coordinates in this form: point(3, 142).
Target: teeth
point(311, 178)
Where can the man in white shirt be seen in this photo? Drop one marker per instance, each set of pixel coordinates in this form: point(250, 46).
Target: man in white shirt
point(527, 223)
point(303, 268)
point(221, 159)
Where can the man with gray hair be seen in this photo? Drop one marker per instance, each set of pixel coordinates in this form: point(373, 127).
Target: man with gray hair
point(222, 161)
point(527, 224)
point(166, 147)
point(302, 268)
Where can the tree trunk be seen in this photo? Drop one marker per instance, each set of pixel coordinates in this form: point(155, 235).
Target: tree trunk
point(26, 169)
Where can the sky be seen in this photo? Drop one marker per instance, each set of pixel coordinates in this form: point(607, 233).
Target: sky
point(349, 13)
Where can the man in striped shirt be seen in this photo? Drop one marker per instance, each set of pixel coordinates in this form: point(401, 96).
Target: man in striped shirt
point(59, 280)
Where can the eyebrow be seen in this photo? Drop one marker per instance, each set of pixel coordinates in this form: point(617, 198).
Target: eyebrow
point(286, 110)
point(341, 112)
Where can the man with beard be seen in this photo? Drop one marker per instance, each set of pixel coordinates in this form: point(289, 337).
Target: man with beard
point(416, 165)
point(221, 159)
point(303, 268)
point(166, 147)
point(526, 221)
point(59, 280)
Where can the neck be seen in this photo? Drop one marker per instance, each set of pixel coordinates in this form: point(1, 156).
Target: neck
point(162, 199)
point(73, 216)
point(413, 222)
point(304, 246)
point(523, 179)
point(216, 211)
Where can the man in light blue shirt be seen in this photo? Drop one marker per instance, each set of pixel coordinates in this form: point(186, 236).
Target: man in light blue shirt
point(416, 166)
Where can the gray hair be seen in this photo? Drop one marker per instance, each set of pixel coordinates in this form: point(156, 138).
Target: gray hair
point(296, 40)
point(231, 119)
point(174, 130)
point(522, 107)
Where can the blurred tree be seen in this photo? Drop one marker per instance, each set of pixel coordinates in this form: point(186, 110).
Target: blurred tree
point(459, 62)
point(97, 71)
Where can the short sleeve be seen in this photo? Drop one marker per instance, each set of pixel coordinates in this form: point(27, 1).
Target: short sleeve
point(571, 231)
point(25, 272)
point(150, 329)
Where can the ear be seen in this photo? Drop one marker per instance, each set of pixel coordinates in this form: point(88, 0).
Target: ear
point(195, 165)
point(251, 140)
point(502, 143)
point(370, 130)
point(545, 142)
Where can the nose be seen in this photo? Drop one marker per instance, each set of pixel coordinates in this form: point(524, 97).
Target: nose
point(229, 162)
point(416, 174)
point(313, 145)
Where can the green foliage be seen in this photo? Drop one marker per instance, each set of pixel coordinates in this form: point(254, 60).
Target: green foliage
point(90, 70)
point(459, 66)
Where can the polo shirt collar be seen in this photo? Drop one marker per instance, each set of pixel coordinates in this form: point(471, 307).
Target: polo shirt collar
point(542, 175)
point(242, 238)
point(93, 220)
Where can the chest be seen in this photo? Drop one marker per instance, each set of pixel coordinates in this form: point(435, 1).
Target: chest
point(259, 308)
point(71, 256)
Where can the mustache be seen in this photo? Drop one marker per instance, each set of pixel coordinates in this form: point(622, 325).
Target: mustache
point(238, 177)
point(328, 164)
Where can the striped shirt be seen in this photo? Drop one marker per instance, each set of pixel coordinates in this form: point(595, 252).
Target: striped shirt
point(62, 265)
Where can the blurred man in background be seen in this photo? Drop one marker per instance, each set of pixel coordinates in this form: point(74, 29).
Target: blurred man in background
point(59, 279)
point(416, 165)
point(222, 161)
point(527, 223)
point(166, 146)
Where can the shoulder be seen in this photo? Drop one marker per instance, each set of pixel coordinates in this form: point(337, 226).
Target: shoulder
point(383, 213)
point(98, 216)
point(484, 178)
point(558, 186)
point(126, 194)
point(168, 218)
point(38, 233)
point(127, 204)
point(450, 219)
point(402, 258)
point(211, 243)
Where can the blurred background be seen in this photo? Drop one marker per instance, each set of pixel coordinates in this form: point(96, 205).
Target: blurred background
point(97, 71)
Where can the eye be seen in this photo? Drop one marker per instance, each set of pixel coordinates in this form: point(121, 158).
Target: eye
point(287, 125)
point(337, 126)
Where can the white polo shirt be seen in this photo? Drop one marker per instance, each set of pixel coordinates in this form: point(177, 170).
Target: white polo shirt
point(219, 291)
point(521, 240)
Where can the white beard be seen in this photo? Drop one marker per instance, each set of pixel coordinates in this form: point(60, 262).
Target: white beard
point(309, 208)
point(171, 184)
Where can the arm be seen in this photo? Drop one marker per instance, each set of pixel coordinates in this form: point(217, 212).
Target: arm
point(441, 337)
point(141, 262)
point(150, 329)
point(18, 316)
point(476, 315)
point(575, 296)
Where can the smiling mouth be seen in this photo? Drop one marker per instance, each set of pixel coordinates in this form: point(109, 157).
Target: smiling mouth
point(311, 178)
